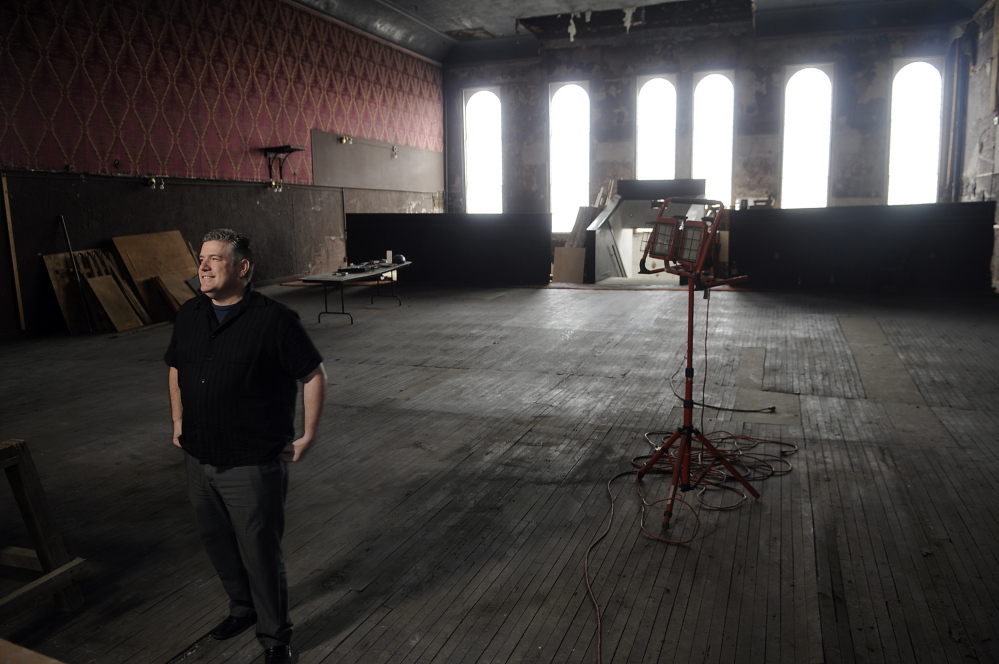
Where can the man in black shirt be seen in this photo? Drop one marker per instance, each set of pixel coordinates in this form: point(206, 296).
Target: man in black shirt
point(235, 360)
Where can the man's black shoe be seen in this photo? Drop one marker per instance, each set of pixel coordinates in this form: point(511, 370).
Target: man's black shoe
point(278, 655)
point(232, 626)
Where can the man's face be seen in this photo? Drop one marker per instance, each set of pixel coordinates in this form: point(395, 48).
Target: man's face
point(221, 275)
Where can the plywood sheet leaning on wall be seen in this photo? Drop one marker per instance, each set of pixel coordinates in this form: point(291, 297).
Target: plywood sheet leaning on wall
point(114, 303)
point(68, 294)
point(153, 255)
point(174, 289)
point(584, 217)
point(85, 311)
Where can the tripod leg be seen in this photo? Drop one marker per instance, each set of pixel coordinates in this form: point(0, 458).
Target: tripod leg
point(658, 455)
point(670, 499)
point(681, 475)
point(719, 457)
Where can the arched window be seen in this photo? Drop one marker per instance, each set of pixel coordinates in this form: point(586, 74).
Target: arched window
point(807, 126)
point(655, 136)
point(483, 154)
point(914, 146)
point(714, 115)
point(569, 119)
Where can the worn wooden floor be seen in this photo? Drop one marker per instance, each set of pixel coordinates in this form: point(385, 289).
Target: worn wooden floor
point(474, 440)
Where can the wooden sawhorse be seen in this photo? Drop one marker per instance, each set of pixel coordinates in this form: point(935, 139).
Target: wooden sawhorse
point(60, 574)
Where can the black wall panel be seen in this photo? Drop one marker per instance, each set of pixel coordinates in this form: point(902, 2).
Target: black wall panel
point(481, 249)
point(941, 246)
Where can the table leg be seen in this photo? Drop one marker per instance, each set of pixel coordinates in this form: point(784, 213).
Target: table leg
point(326, 306)
point(392, 294)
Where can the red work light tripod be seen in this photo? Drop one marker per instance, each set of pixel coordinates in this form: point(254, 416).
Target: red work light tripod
point(682, 257)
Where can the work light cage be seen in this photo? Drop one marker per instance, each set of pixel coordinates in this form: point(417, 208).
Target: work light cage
point(663, 243)
point(690, 245)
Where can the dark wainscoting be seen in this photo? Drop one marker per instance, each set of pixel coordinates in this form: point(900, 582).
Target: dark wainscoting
point(941, 246)
point(295, 232)
point(480, 249)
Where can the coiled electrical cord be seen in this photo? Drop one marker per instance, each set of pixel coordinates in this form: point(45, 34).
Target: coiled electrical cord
point(738, 450)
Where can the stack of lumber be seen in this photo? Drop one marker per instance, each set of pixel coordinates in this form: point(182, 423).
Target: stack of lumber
point(149, 290)
point(606, 193)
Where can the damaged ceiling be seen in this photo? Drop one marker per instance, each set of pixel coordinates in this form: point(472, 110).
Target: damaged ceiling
point(438, 28)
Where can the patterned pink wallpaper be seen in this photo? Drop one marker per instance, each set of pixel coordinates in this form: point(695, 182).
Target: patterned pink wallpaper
point(193, 88)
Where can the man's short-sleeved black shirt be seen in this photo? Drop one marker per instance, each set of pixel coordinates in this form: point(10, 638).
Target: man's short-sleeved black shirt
point(239, 379)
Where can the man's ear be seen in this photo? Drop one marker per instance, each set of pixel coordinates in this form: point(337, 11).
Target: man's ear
point(244, 268)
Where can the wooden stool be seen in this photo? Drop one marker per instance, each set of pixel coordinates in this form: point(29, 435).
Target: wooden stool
point(49, 555)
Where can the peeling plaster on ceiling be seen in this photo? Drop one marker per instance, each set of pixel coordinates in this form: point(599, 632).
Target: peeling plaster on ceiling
point(628, 13)
point(433, 27)
point(498, 17)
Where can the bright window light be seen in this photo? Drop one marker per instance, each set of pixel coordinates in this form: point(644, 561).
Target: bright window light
point(570, 155)
point(714, 115)
point(655, 149)
point(914, 146)
point(483, 154)
point(807, 123)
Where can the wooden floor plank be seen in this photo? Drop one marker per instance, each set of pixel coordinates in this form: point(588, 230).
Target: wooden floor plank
point(469, 440)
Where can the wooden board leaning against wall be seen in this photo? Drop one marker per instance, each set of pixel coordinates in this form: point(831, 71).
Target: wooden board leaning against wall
point(149, 290)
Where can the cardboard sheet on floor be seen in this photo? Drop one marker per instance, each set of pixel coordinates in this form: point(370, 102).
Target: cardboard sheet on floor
point(569, 264)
